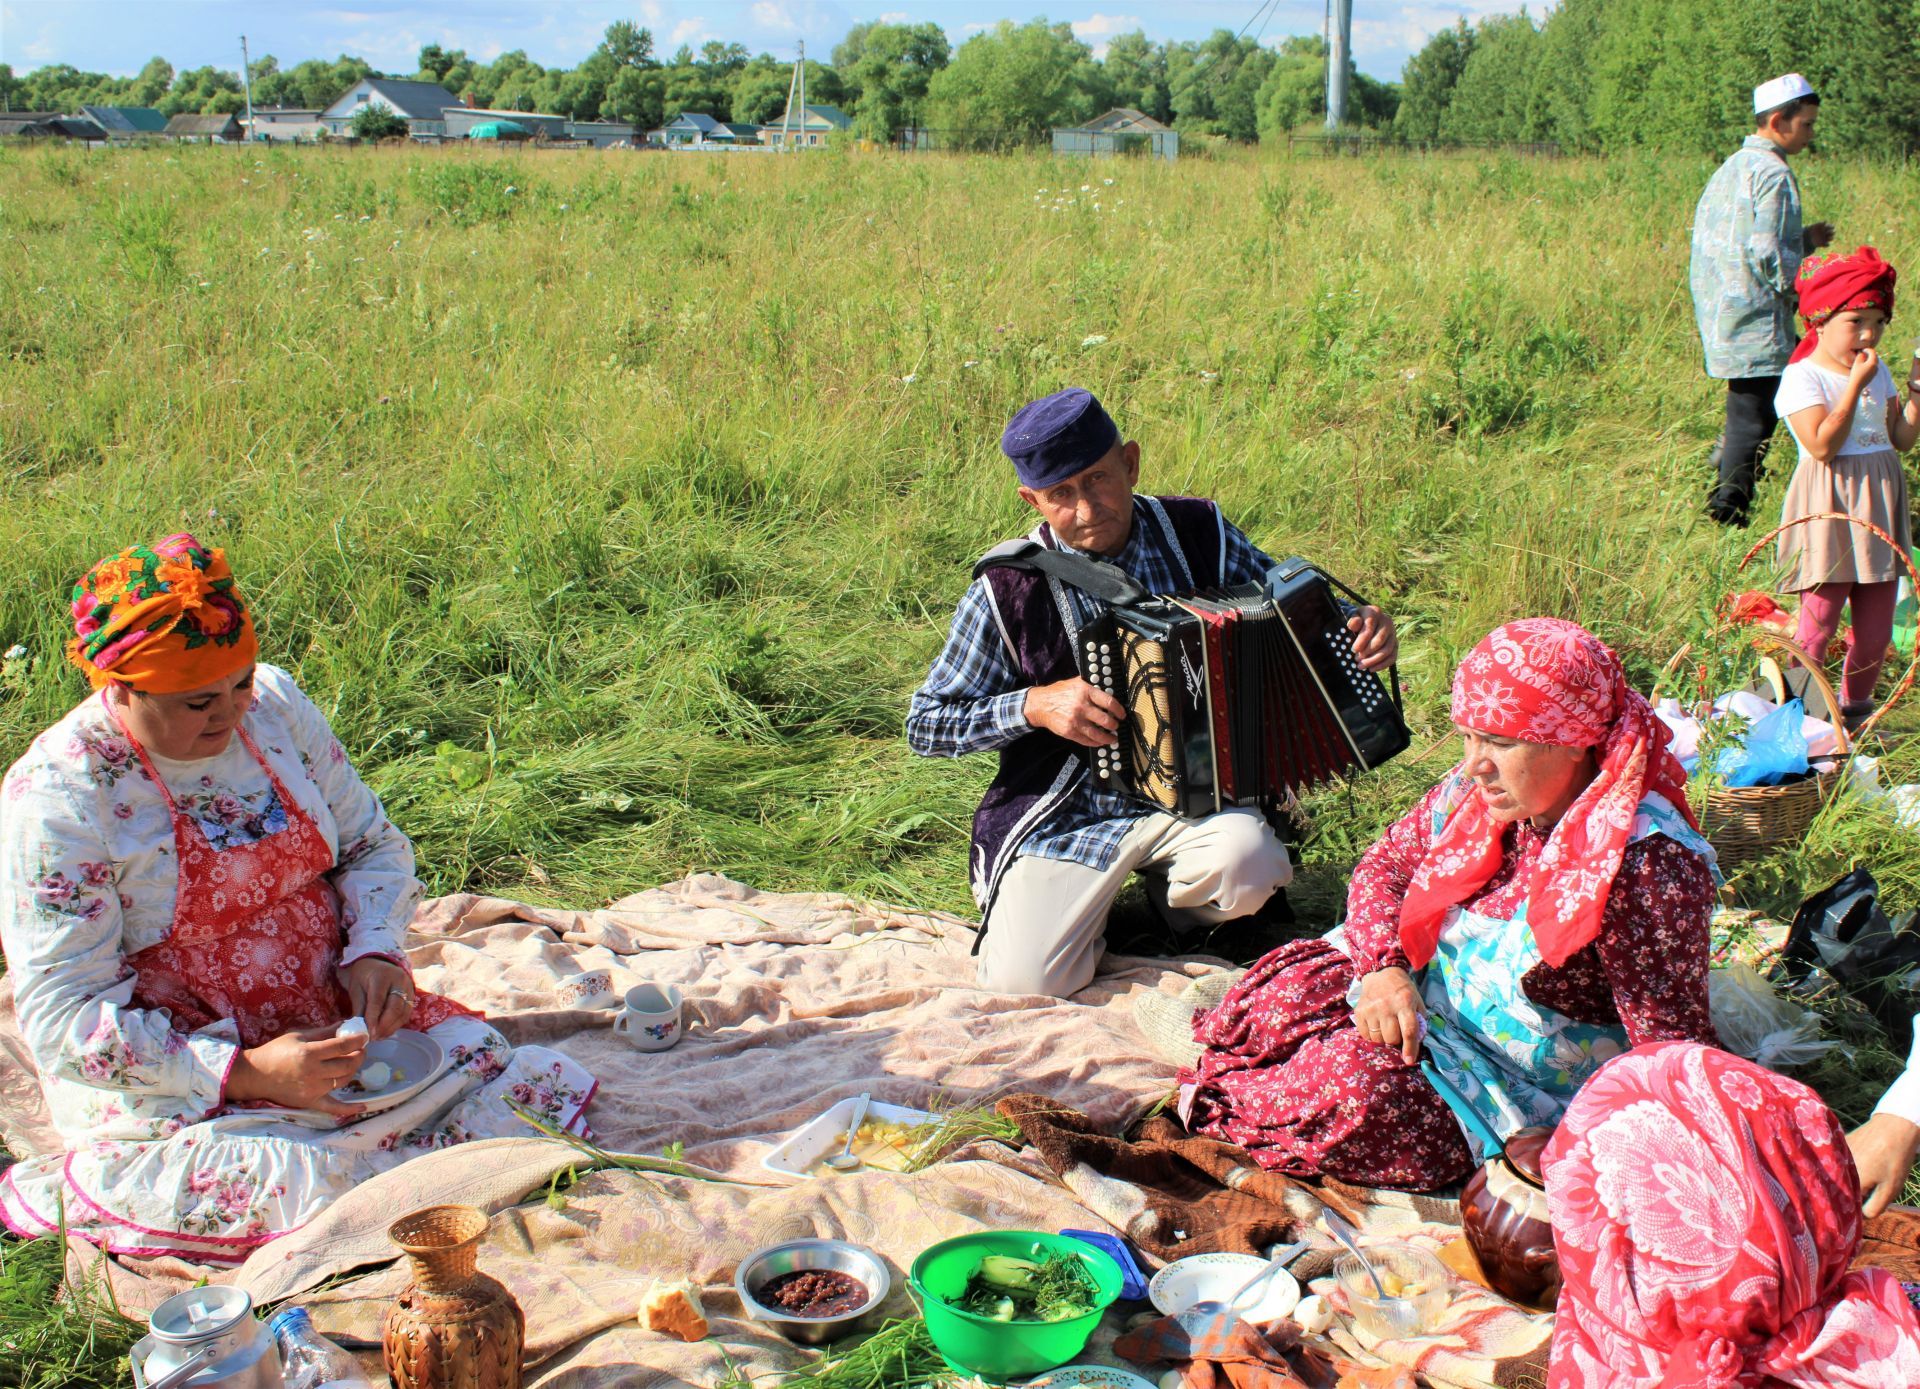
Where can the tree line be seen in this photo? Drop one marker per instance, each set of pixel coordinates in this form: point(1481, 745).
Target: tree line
point(1018, 80)
point(1670, 74)
point(1591, 75)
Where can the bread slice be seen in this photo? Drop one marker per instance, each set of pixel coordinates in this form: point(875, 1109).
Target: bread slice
point(674, 1309)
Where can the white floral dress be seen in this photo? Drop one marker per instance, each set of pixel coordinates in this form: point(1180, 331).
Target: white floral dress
point(98, 904)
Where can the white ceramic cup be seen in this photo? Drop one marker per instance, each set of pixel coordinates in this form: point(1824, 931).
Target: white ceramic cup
point(650, 1017)
point(591, 988)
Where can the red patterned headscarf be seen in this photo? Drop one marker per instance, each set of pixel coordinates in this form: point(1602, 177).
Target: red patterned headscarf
point(1833, 284)
point(1705, 1211)
point(1545, 680)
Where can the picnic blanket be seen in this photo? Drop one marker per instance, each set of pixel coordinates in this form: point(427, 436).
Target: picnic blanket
point(801, 1000)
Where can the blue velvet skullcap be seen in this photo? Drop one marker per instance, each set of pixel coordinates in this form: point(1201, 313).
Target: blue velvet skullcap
point(1057, 436)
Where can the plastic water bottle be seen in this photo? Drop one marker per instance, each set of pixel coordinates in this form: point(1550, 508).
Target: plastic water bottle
point(309, 1360)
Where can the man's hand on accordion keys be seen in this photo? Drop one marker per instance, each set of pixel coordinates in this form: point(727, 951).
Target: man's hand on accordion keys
point(1076, 711)
point(1375, 644)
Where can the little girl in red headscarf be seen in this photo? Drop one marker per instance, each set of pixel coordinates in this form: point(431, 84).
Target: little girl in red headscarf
point(1841, 404)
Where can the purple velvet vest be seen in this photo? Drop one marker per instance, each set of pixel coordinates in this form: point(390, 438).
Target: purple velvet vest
point(1038, 772)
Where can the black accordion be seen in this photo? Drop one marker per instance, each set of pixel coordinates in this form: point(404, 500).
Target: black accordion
point(1246, 695)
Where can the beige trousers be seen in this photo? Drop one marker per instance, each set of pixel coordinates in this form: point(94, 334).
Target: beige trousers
point(1047, 929)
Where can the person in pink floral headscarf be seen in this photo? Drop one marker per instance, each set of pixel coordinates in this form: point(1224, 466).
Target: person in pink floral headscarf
point(1542, 909)
point(1706, 1212)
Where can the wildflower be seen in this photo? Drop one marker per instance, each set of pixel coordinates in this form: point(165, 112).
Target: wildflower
point(1410, 374)
point(1107, 181)
point(971, 363)
point(512, 189)
point(909, 378)
point(1093, 339)
point(1086, 188)
point(1096, 207)
point(15, 652)
point(1209, 376)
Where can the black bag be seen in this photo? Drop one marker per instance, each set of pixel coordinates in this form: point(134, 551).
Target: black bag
point(1876, 960)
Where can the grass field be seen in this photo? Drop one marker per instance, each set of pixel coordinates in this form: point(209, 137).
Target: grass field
point(612, 504)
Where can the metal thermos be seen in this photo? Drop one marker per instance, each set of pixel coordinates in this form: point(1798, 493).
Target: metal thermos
point(206, 1338)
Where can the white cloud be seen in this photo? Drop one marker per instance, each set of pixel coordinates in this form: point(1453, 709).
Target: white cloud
point(769, 15)
point(1096, 29)
point(651, 11)
point(895, 17)
point(690, 31)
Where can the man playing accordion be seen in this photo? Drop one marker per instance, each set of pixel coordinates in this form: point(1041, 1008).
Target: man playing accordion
point(1051, 849)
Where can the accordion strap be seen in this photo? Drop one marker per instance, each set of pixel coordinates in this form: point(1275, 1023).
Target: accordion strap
point(1107, 582)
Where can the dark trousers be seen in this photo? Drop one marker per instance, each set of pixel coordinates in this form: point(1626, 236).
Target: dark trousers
point(1743, 448)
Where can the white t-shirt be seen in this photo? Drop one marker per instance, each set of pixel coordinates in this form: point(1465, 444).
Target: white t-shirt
point(1903, 1096)
point(1803, 384)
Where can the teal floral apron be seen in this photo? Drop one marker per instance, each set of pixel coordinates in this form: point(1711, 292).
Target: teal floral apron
point(1513, 1062)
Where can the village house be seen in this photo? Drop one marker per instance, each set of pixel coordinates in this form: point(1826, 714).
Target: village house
point(1122, 130)
point(810, 126)
point(211, 130)
point(689, 128)
point(123, 124)
point(601, 134)
point(287, 124)
point(423, 105)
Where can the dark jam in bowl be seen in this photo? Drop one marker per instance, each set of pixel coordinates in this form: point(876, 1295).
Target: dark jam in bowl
point(813, 1292)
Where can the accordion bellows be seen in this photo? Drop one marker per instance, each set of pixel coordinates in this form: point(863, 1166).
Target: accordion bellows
point(1247, 695)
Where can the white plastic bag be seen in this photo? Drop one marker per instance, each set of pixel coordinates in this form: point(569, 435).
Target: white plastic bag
point(1755, 1022)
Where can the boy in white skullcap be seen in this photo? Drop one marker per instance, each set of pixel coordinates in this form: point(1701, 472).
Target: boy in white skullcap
point(1748, 242)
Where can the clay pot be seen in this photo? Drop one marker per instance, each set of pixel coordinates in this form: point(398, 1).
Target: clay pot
point(1504, 1208)
point(454, 1327)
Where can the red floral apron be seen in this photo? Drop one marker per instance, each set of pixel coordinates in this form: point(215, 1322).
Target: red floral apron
point(256, 933)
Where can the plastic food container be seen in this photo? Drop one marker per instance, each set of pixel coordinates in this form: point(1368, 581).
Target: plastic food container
point(1003, 1350)
point(825, 1132)
point(1417, 1285)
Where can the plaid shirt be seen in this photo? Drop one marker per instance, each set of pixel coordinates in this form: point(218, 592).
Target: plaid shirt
point(974, 698)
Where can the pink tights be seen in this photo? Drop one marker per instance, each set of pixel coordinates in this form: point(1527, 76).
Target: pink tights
point(1872, 630)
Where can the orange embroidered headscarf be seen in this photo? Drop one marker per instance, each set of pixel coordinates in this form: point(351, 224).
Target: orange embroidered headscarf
point(161, 619)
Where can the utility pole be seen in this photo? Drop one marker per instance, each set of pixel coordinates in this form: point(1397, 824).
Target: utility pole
point(1338, 52)
point(786, 118)
point(803, 91)
point(246, 83)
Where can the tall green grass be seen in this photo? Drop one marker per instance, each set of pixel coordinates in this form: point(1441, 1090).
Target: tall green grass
point(612, 504)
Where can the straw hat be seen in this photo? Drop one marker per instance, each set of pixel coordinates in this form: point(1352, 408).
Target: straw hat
point(1166, 1020)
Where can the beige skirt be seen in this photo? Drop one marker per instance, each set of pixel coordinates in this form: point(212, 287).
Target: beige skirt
point(1870, 486)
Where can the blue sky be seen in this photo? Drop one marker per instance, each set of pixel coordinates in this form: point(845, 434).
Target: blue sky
point(118, 36)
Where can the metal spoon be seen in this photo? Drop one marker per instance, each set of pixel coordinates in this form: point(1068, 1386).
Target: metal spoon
point(1336, 1225)
point(844, 1160)
point(1212, 1308)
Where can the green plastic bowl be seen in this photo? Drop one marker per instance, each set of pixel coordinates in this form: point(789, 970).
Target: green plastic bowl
point(1002, 1350)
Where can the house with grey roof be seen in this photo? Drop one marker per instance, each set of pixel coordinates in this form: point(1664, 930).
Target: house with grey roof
point(601, 134)
point(809, 126)
point(1122, 130)
point(689, 128)
point(423, 105)
point(212, 130)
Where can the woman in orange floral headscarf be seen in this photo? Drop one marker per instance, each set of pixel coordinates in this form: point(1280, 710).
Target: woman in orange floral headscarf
point(1542, 909)
point(196, 890)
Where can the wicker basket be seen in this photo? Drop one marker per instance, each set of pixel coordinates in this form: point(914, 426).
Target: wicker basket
point(1745, 822)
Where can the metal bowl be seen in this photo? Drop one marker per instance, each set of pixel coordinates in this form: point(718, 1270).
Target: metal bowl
point(764, 1265)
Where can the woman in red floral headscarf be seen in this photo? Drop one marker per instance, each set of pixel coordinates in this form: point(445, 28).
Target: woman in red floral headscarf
point(1541, 910)
point(1706, 1214)
point(1844, 411)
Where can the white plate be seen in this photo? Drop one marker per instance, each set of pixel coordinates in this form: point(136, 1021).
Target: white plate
point(1215, 1277)
point(1092, 1376)
point(824, 1133)
point(414, 1054)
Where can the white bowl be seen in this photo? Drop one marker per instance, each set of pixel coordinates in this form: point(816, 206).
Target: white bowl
point(1215, 1278)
